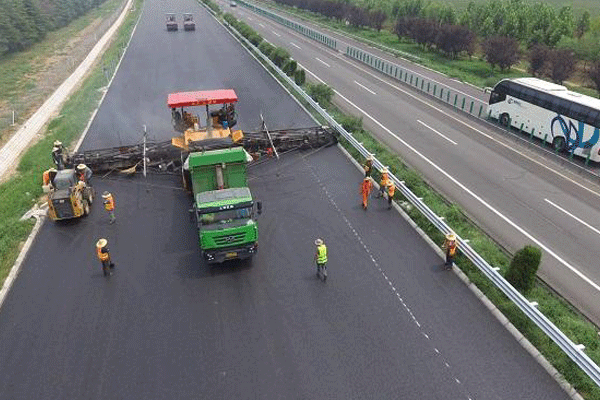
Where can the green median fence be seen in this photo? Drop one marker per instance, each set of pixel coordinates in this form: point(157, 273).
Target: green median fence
point(310, 33)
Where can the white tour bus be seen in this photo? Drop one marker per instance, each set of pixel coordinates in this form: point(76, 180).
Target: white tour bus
point(568, 120)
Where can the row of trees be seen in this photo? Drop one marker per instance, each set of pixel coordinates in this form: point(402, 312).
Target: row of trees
point(447, 38)
point(25, 22)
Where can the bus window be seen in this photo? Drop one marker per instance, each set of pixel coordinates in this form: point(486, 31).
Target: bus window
point(496, 97)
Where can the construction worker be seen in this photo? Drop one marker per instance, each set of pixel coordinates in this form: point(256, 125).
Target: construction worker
point(48, 178)
point(84, 174)
point(391, 190)
point(57, 155)
point(109, 205)
point(385, 181)
point(368, 167)
point(321, 258)
point(365, 190)
point(104, 256)
point(449, 246)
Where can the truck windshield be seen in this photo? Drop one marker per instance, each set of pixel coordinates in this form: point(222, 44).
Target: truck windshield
point(62, 183)
point(226, 218)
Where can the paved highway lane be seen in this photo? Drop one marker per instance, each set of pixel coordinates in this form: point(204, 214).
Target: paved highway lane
point(388, 323)
point(158, 62)
point(519, 197)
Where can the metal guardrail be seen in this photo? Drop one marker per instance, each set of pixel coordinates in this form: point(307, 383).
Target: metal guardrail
point(308, 32)
point(573, 351)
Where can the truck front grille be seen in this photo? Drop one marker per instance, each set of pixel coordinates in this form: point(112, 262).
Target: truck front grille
point(230, 239)
point(63, 208)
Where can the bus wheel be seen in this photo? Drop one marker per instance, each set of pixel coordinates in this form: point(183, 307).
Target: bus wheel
point(558, 143)
point(504, 119)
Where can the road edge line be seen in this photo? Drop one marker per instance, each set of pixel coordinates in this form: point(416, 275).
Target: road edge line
point(504, 321)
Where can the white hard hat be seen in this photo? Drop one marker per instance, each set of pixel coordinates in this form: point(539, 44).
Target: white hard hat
point(451, 236)
point(101, 243)
point(319, 242)
point(105, 195)
point(81, 166)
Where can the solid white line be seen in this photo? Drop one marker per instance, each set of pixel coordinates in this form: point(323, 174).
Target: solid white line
point(470, 192)
point(261, 24)
point(295, 45)
point(277, 34)
point(366, 88)
point(322, 62)
point(573, 216)
point(428, 127)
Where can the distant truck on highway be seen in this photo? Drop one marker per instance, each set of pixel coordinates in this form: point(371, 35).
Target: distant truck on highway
point(223, 205)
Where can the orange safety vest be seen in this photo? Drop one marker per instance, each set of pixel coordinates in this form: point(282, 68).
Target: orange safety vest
point(109, 204)
point(102, 256)
point(366, 187)
point(46, 177)
point(451, 247)
point(385, 180)
point(391, 189)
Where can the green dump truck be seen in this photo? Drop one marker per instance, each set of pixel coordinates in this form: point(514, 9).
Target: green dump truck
point(223, 205)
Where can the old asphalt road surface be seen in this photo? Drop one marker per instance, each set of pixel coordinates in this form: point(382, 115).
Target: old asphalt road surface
point(389, 323)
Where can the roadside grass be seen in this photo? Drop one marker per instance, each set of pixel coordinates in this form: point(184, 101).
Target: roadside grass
point(562, 314)
point(18, 71)
point(23, 190)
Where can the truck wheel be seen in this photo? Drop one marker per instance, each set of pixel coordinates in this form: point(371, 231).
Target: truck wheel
point(86, 208)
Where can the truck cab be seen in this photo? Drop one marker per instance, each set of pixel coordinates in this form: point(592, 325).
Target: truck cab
point(68, 197)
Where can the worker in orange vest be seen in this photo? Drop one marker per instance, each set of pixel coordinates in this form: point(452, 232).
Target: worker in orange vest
point(385, 180)
point(449, 246)
point(104, 256)
point(365, 190)
point(391, 190)
point(48, 177)
point(109, 205)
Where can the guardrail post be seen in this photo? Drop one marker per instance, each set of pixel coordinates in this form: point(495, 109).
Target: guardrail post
point(463, 104)
point(417, 81)
point(545, 139)
point(448, 97)
point(471, 108)
point(422, 83)
point(480, 110)
point(521, 128)
point(455, 99)
point(571, 154)
point(411, 78)
point(531, 135)
point(428, 85)
point(441, 92)
point(587, 159)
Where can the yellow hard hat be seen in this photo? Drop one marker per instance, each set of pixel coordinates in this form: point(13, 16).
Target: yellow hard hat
point(57, 143)
point(52, 170)
point(450, 236)
point(384, 170)
point(81, 166)
point(319, 242)
point(101, 243)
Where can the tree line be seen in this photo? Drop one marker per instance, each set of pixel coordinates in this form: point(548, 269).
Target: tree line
point(505, 31)
point(25, 22)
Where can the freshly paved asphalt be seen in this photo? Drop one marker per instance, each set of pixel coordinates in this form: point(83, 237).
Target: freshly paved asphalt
point(389, 323)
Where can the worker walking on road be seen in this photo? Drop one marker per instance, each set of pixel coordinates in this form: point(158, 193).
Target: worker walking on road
point(391, 190)
point(365, 190)
point(449, 246)
point(321, 259)
point(385, 181)
point(368, 167)
point(104, 256)
point(109, 205)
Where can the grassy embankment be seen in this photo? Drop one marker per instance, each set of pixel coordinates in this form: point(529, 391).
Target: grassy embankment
point(20, 86)
point(18, 194)
point(560, 312)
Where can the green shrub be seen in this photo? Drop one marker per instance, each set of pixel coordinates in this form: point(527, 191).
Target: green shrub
point(300, 77)
point(321, 93)
point(279, 56)
point(350, 123)
point(290, 67)
point(523, 268)
point(266, 48)
point(255, 39)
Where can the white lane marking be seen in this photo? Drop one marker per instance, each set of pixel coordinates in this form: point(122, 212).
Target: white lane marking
point(553, 170)
point(573, 216)
point(428, 127)
point(250, 19)
point(295, 45)
point(473, 194)
point(366, 88)
point(276, 34)
point(261, 25)
point(322, 62)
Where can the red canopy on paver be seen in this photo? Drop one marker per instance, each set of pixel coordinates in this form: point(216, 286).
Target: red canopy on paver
point(201, 98)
